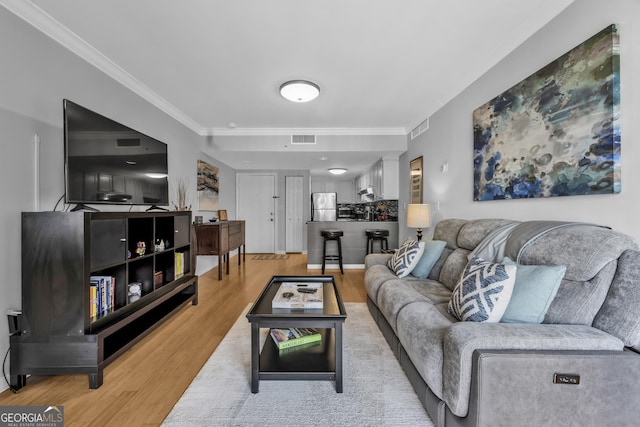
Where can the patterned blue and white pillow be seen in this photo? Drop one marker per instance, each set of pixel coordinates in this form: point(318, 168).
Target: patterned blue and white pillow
point(483, 291)
point(406, 257)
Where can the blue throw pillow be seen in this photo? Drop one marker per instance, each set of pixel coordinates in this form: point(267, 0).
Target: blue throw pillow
point(432, 251)
point(535, 288)
point(406, 257)
point(483, 291)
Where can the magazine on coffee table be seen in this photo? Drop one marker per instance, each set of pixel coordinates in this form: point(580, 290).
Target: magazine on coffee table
point(294, 337)
point(299, 295)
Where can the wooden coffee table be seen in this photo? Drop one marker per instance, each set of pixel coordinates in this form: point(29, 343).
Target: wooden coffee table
point(307, 362)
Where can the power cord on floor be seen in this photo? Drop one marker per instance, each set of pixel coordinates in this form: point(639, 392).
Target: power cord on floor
point(4, 373)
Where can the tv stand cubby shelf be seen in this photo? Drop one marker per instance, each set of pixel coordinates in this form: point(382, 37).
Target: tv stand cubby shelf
point(90, 291)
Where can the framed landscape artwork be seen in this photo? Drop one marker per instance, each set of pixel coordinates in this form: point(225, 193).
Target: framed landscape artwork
point(415, 185)
point(207, 186)
point(557, 132)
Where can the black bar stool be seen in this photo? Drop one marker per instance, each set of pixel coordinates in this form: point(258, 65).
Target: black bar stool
point(381, 236)
point(335, 236)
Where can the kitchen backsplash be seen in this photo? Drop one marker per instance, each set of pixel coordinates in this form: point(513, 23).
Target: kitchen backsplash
point(383, 210)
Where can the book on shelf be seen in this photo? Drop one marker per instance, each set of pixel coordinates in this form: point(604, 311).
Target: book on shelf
point(298, 295)
point(93, 299)
point(101, 295)
point(179, 265)
point(292, 337)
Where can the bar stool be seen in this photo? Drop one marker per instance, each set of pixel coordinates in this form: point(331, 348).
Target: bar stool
point(381, 236)
point(335, 236)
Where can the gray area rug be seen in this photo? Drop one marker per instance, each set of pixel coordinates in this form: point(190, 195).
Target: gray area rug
point(376, 390)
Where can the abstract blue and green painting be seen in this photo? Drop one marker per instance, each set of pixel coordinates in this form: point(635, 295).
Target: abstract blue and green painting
point(557, 132)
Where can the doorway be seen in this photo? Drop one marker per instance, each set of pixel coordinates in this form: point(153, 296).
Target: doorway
point(294, 206)
point(255, 197)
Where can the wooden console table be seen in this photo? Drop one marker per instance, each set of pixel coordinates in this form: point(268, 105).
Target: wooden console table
point(219, 238)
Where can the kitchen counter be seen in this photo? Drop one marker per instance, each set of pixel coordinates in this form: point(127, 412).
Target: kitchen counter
point(354, 241)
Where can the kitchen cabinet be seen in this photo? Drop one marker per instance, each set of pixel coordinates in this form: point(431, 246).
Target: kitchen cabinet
point(344, 188)
point(383, 177)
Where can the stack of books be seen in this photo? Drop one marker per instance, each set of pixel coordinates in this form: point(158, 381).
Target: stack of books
point(102, 295)
point(293, 337)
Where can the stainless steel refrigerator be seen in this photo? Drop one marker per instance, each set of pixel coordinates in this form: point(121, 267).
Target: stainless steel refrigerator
point(324, 206)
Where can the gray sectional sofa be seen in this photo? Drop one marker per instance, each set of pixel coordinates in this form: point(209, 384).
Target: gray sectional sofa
point(579, 366)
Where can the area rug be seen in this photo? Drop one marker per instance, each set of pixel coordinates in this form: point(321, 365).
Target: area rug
point(269, 257)
point(376, 390)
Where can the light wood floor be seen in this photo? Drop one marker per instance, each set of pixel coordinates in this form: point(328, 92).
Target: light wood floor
point(141, 386)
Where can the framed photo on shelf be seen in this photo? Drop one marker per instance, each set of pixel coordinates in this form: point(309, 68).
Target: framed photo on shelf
point(222, 215)
point(415, 170)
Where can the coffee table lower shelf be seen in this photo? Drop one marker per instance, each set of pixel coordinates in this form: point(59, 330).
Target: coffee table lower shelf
point(320, 361)
point(313, 361)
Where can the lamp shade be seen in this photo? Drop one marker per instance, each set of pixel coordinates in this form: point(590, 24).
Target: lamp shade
point(418, 216)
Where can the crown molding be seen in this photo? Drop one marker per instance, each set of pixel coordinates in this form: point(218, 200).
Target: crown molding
point(305, 131)
point(46, 24)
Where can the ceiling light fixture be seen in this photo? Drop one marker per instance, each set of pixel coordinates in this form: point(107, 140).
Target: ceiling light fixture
point(156, 175)
point(299, 90)
point(337, 171)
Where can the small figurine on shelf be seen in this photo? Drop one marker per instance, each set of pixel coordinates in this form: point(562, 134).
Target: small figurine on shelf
point(141, 248)
point(159, 245)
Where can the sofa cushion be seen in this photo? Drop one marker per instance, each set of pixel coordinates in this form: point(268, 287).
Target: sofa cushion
point(432, 251)
point(618, 315)
point(421, 328)
point(374, 277)
point(453, 267)
point(406, 257)
point(448, 230)
point(434, 274)
point(475, 231)
point(463, 338)
point(533, 291)
point(483, 291)
point(394, 296)
point(577, 302)
point(583, 249)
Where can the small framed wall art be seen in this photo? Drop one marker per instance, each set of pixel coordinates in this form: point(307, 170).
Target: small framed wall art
point(415, 185)
point(208, 186)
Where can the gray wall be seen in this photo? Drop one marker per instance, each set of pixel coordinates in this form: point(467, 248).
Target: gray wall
point(450, 138)
point(36, 74)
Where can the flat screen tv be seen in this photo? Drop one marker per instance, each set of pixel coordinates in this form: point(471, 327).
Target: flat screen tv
point(107, 162)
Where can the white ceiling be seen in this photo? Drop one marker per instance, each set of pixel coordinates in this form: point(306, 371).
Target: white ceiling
point(382, 66)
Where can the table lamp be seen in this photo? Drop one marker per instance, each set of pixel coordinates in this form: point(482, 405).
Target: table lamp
point(419, 216)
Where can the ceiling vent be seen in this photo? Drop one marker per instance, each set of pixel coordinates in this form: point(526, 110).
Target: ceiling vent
point(128, 142)
point(420, 128)
point(303, 139)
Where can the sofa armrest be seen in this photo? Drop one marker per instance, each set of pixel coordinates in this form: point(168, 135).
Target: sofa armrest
point(464, 338)
point(545, 388)
point(376, 259)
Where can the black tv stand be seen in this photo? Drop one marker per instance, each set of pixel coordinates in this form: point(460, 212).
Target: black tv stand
point(83, 207)
point(156, 208)
point(72, 336)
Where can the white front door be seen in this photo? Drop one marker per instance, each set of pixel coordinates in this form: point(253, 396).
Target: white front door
point(294, 205)
point(256, 205)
